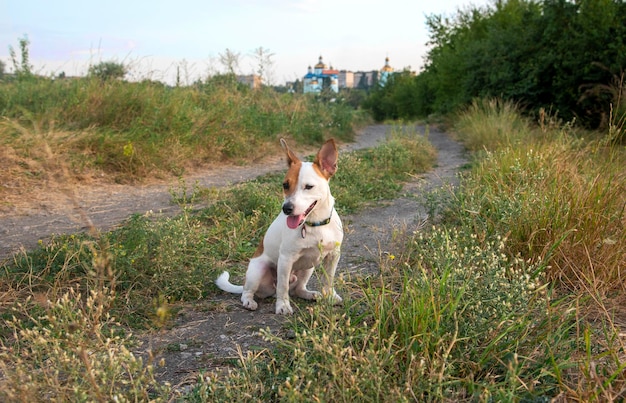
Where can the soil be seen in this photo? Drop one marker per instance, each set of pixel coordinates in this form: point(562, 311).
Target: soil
point(211, 334)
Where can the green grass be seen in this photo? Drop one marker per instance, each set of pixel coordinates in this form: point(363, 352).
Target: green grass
point(470, 310)
point(388, 167)
point(160, 257)
point(489, 124)
point(129, 131)
point(476, 309)
point(514, 295)
point(555, 196)
point(439, 324)
point(136, 273)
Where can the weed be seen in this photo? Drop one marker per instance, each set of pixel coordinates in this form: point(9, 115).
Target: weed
point(386, 167)
point(473, 310)
point(562, 200)
point(130, 131)
point(491, 124)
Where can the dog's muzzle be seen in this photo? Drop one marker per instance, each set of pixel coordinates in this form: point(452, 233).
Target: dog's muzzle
point(294, 221)
point(288, 208)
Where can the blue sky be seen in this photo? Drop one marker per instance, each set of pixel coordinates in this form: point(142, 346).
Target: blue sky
point(154, 37)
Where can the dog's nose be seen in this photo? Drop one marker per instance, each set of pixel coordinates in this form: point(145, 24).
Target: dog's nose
point(288, 208)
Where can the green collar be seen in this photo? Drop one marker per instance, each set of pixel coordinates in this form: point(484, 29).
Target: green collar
point(315, 224)
point(319, 223)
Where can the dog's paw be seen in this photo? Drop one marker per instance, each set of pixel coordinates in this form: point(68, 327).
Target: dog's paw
point(337, 300)
point(250, 304)
point(306, 294)
point(283, 308)
point(333, 297)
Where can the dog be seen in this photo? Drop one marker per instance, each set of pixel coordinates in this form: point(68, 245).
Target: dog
point(307, 232)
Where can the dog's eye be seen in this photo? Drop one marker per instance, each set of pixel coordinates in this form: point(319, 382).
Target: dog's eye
point(308, 187)
point(286, 185)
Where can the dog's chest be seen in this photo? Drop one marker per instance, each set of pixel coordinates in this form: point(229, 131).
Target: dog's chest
point(312, 256)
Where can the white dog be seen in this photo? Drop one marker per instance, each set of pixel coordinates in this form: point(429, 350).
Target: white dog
point(307, 232)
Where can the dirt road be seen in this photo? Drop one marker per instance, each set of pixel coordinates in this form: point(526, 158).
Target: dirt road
point(209, 335)
point(109, 205)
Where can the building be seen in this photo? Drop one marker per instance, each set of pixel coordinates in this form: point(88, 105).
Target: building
point(320, 78)
point(365, 79)
point(385, 72)
point(251, 80)
point(346, 79)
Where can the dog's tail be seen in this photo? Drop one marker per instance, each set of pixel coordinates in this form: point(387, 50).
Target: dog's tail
point(225, 285)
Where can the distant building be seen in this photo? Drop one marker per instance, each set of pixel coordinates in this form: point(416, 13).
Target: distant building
point(385, 72)
point(365, 79)
point(251, 80)
point(346, 79)
point(321, 77)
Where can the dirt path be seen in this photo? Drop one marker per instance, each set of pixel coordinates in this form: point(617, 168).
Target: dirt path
point(109, 205)
point(208, 334)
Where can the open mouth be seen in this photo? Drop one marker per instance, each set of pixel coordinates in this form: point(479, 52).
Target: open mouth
point(294, 221)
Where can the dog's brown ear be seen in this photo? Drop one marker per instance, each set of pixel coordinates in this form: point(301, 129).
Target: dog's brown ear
point(291, 157)
point(326, 158)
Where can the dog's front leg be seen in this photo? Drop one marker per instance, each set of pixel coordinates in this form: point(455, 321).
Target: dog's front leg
point(283, 274)
point(299, 288)
point(328, 275)
point(257, 270)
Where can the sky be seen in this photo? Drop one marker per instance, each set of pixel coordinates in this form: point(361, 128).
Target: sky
point(157, 38)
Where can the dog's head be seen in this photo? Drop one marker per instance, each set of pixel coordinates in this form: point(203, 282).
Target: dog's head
point(306, 183)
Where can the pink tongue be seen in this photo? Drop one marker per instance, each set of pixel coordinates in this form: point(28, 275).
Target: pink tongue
point(294, 220)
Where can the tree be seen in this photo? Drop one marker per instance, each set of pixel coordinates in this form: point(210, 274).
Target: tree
point(399, 98)
point(230, 60)
point(107, 70)
point(2, 69)
point(552, 54)
point(264, 64)
point(22, 68)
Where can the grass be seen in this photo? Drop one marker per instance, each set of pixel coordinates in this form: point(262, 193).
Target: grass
point(557, 197)
point(132, 131)
point(516, 293)
point(477, 308)
point(426, 328)
point(138, 272)
point(489, 124)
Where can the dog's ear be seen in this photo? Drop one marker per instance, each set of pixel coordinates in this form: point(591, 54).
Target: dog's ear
point(291, 157)
point(326, 158)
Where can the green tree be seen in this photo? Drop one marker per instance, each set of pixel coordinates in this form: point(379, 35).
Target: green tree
point(400, 98)
point(108, 70)
point(562, 55)
point(22, 68)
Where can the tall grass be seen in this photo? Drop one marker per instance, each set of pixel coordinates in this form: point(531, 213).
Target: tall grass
point(476, 309)
point(171, 257)
point(452, 318)
point(490, 124)
point(469, 310)
point(556, 197)
point(62, 297)
point(131, 130)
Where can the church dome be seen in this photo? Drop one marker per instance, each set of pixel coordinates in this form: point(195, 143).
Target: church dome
point(320, 64)
point(387, 67)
